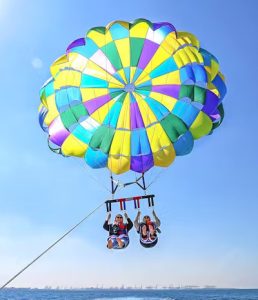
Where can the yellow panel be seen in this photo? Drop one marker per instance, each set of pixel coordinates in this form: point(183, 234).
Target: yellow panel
point(159, 57)
point(190, 38)
point(100, 114)
point(52, 110)
point(97, 37)
point(201, 126)
point(189, 52)
point(132, 72)
point(170, 78)
point(183, 55)
point(168, 101)
point(214, 69)
point(123, 48)
point(120, 143)
point(157, 137)
point(164, 157)
point(96, 71)
point(142, 78)
point(147, 114)
point(124, 116)
point(58, 64)
point(119, 164)
point(67, 77)
point(77, 61)
point(122, 74)
point(139, 30)
point(170, 43)
point(213, 88)
point(73, 147)
point(91, 93)
point(108, 37)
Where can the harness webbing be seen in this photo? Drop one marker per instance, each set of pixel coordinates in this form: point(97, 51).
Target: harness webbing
point(51, 246)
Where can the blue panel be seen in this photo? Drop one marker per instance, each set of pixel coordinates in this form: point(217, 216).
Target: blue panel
point(88, 50)
point(49, 88)
point(184, 144)
point(187, 74)
point(113, 115)
point(62, 99)
point(90, 81)
point(82, 134)
point(74, 94)
point(127, 74)
point(118, 31)
point(220, 85)
point(96, 159)
point(166, 67)
point(186, 112)
point(144, 84)
point(158, 109)
point(199, 73)
point(139, 142)
point(137, 73)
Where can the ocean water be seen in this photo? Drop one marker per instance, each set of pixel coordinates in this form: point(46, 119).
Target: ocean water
point(102, 294)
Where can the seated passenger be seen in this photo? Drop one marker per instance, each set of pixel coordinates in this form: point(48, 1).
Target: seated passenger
point(147, 229)
point(118, 231)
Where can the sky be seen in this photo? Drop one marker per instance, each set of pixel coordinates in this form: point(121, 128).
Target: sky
point(207, 201)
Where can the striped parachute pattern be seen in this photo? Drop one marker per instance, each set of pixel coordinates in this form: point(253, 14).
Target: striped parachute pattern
point(131, 96)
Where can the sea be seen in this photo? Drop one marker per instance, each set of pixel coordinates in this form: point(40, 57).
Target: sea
point(129, 294)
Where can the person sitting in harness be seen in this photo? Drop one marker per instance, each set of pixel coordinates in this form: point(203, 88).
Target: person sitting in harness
point(147, 229)
point(118, 231)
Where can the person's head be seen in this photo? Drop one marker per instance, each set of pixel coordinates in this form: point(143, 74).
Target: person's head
point(119, 218)
point(146, 219)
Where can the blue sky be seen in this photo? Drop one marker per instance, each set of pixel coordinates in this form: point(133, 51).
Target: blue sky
point(207, 201)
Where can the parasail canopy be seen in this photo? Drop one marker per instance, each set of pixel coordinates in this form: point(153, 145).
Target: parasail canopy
point(131, 96)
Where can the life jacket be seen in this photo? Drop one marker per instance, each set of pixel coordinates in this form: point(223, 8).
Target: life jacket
point(122, 229)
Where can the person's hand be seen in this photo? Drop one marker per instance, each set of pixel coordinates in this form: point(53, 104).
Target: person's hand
point(108, 216)
point(153, 212)
point(126, 215)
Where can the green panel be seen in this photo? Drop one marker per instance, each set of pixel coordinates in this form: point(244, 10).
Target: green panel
point(136, 45)
point(99, 29)
point(199, 94)
point(173, 126)
point(221, 111)
point(102, 138)
point(68, 118)
point(79, 111)
point(112, 54)
point(186, 91)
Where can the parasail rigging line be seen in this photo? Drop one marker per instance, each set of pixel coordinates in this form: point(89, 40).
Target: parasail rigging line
point(51, 246)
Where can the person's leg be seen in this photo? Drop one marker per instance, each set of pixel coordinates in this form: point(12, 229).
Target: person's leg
point(110, 244)
point(144, 231)
point(152, 232)
point(120, 243)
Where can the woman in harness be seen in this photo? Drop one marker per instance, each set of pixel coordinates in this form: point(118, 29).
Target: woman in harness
point(147, 229)
point(118, 231)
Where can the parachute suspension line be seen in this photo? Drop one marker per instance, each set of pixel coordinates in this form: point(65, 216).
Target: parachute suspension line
point(51, 246)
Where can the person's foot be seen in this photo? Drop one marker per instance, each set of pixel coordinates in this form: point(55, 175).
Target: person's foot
point(120, 243)
point(110, 244)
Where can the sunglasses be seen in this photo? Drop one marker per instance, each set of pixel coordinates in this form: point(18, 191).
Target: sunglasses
point(119, 217)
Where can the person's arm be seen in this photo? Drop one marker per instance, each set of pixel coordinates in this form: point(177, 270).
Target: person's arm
point(106, 225)
point(129, 222)
point(137, 221)
point(157, 220)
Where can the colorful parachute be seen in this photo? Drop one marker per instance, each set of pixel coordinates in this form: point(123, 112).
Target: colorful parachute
point(131, 96)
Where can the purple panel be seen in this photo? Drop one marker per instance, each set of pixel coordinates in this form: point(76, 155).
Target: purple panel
point(158, 25)
point(76, 43)
point(135, 116)
point(96, 103)
point(148, 51)
point(211, 103)
point(141, 163)
point(169, 89)
point(59, 137)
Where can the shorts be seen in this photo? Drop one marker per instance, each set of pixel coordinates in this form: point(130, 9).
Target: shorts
point(124, 239)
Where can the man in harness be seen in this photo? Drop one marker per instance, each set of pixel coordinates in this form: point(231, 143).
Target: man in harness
point(118, 231)
point(147, 229)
